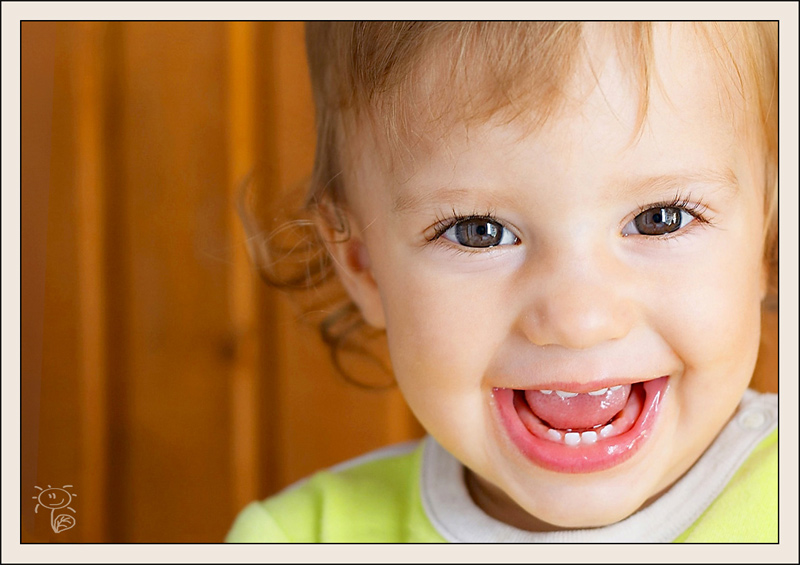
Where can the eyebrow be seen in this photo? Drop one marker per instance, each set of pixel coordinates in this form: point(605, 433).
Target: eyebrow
point(641, 187)
point(423, 199)
point(637, 187)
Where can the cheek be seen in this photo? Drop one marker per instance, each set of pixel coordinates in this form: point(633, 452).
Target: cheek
point(437, 322)
point(715, 311)
point(442, 334)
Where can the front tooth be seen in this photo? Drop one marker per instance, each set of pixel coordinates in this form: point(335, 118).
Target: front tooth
point(563, 394)
point(598, 392)
point(546, 391)
point(616, 387)
point(555, 435)
point(588, 437)
point(572, 438)
point(605, 432)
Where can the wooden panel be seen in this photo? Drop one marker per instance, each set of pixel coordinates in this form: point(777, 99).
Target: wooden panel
point(85, 45)
point(174, 240)
point(37, 62)
point(765, 377)
point(50, 361)
point(243, 297)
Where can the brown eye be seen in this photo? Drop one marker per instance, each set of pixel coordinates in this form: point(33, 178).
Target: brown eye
point(660, 221)
point(479, 233)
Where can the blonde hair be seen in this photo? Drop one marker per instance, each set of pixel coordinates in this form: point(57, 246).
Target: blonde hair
point(399, 78)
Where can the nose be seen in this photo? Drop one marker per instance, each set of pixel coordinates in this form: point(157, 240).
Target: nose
point(578, 301)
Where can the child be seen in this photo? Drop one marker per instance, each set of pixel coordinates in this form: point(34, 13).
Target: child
point(566, 231)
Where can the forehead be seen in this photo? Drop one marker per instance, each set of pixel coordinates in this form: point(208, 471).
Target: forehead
point(681, 77)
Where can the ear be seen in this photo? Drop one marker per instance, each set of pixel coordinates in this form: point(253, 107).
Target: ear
point(354, 267)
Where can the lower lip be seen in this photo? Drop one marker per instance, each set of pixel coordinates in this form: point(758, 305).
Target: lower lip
point(604, 454)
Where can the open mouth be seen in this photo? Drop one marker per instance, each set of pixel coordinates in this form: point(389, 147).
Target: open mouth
point(580, 432)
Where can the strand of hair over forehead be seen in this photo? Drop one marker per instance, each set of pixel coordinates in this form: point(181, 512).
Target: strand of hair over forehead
point(475, 70)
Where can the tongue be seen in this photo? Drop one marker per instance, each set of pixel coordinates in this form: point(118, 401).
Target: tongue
point(580, 412)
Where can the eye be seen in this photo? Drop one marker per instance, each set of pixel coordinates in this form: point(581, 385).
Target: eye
point(659, 220)
point(479, 232)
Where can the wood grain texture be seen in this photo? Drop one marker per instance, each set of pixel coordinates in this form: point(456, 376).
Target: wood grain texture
point(86, 43)
point(173, 184)
point(242, 297)
point(50, 363)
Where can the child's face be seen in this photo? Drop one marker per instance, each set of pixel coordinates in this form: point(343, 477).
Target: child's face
point(572, 295)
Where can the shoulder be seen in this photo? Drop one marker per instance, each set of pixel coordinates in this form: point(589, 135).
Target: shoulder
point(371, 498)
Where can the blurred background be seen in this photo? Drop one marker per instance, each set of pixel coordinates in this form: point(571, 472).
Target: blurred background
point(162, 382)
point(164, 386)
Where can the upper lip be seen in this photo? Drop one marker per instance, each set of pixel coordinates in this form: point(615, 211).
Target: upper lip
point(588, 380)
point(582, 387)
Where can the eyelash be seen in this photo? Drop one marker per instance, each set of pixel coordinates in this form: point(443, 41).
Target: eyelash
point(697, 209)
point(445, 223)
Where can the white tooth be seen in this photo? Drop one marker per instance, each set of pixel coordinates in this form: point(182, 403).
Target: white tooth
point(563, 394)
point(616, 387)
point(605, 432)
point(555, 435)
point(598, 392)
point(546, 391)
point(588, 437)
point(572, 438)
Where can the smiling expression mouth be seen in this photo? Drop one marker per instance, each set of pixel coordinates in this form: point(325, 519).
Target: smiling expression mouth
point(580, 432)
